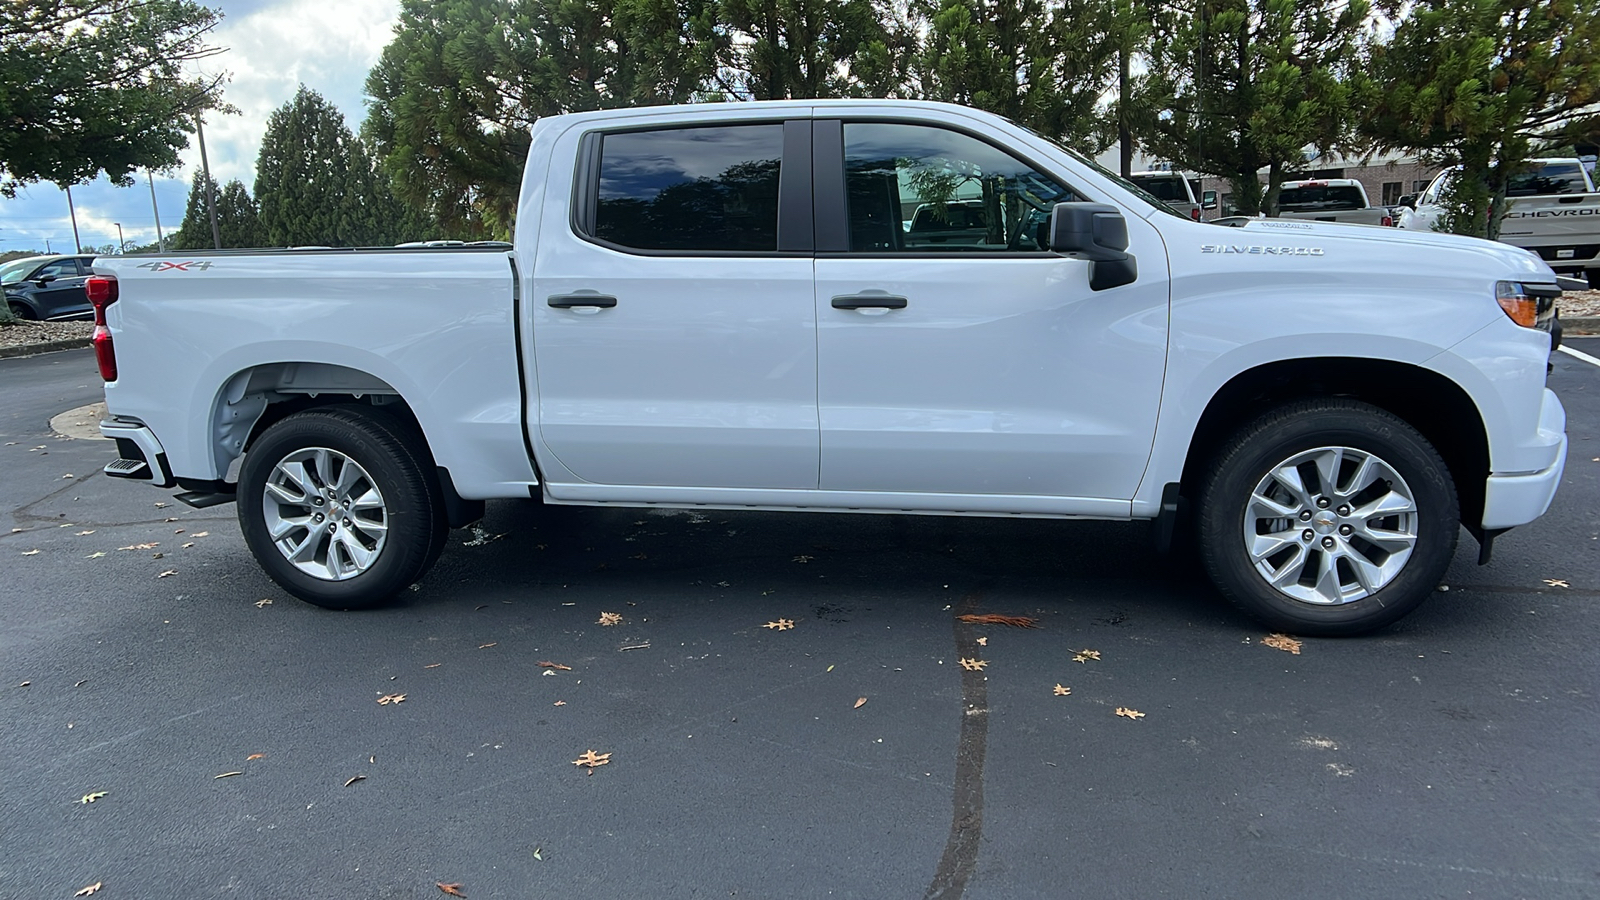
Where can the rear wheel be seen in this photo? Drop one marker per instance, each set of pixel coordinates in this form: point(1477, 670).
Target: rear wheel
point(338, 509)
point(21, 311)
point(1328, 517)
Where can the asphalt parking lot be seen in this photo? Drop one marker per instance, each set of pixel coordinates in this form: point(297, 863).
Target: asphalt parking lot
point(1453, 755)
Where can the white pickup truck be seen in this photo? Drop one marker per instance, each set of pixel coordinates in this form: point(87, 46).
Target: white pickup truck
point(1551, 209)
point(721, 306)
point(1330, 200)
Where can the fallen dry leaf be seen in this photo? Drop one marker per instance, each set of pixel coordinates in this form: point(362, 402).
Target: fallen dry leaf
point(168, 573)
point(453, 890)
point(25, 684)
point(1084, 656)
point(780, 625)
point(255, 756)
point(1282, 642)
point(1062, 691)
point(150, 546)
point(32, 553)
point(983, 642)
point(973, 665)
point(609, 618)
point(591, 759)
point(92, 797)
point(96, 555)
point(433, 665)
point(554, 665)
point(263, 603)
point(1127, 713)
point(860, 703)
point(200, 534)
point(391, 698)
point(1556, 582)
point(68, 475)
point(488, 645)
point(89, 890)
point(802, 559)
point(160, 505)
point(354, 779)
point(994, 619)
point(559, 703)
point(188, 545)
point(179, 530)
point(82, 533)
point(225, 775)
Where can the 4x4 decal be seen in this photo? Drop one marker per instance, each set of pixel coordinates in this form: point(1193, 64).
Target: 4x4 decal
point(188, 266)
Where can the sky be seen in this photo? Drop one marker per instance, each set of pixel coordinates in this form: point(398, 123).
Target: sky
point(272, 47)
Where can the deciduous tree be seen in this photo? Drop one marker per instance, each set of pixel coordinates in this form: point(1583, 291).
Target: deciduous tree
point(90, 86)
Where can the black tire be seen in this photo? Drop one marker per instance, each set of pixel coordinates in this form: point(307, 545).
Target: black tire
point(412, 508)
point(1253, 452)
point(22, 311)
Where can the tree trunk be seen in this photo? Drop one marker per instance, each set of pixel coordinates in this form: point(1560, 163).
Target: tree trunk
point(1124, 132)
point(1274, 187)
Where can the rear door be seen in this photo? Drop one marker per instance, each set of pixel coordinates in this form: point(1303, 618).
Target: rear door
point(673, 323)
point(984, 365)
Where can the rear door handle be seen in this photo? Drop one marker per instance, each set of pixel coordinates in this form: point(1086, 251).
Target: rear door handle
point(869, 301)
point(568, 301)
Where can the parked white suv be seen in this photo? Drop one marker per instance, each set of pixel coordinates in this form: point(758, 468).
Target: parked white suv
point(721, 306)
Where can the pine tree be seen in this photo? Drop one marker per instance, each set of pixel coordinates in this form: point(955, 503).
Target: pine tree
point(1481, 84)
point(1237, 86)
point(237, 218)
point(195, 231)
point(314, 181)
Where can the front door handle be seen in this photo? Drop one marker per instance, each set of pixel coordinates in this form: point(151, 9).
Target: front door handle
point(568, 301)
point(869, 301)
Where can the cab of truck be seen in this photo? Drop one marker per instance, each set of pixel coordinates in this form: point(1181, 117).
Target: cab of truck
point(1177, 192)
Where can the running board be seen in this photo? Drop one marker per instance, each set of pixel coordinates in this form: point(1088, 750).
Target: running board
point(128, 468)
point(203, 499)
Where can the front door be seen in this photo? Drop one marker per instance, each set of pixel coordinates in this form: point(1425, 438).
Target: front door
point(957, 357)
point(673, 326)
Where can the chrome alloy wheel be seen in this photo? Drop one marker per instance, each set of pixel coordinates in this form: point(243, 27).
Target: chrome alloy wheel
point(325, 514)
point(1330, 525)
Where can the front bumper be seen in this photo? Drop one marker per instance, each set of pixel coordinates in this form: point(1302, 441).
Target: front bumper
point(1517, 499)
point(137, 444)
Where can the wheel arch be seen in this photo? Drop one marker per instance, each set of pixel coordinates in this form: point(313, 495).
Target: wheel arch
point(1432, 403)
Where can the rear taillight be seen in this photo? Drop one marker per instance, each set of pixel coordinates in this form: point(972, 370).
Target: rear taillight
point(102, 291)
point(1194, 213)
point(1388, 221)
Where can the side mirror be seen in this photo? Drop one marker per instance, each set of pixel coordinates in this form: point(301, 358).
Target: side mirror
point(43, 280)
point(1409, 201)
point(1096, 232)
point(1208, 200)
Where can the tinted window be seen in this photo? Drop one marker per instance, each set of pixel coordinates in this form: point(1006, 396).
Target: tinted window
point(1167, 188)
point(1320, 199)
point(61, 268)
point(694, 189)
point(1552, 178)
point(918, 188)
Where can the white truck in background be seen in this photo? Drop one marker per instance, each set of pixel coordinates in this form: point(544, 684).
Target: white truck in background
point(1330, 200)
point(1180, 194)
point(1553, 210)
point(720, 306)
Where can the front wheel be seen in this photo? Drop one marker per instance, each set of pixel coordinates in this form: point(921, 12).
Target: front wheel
point(337, 508)
point(1328, 517)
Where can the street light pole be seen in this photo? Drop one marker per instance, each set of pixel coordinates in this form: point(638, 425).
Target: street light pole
point(122, 245)
point(205, 166)
point(161, 242)
point(73, 211)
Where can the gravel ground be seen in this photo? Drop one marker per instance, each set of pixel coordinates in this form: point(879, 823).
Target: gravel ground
point(22, 334)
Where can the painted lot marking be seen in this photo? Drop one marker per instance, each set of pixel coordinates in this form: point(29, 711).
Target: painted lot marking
point(1579, 354)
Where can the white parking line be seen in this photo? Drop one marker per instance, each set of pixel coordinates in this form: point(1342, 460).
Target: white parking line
point(1581, 355)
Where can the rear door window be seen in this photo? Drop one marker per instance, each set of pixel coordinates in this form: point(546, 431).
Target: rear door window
point(1553, 178)
point(708, 189)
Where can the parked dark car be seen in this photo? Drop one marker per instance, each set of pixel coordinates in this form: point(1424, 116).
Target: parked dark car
point(47, 287)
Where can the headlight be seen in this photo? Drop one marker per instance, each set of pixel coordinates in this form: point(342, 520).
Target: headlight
point(1528, 305)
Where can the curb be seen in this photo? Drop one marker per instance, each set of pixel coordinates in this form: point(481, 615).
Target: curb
point(1580, 325)
point(80, 344)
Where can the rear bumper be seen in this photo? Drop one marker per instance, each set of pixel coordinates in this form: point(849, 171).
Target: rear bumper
point(137, 443)
point(1517, 499)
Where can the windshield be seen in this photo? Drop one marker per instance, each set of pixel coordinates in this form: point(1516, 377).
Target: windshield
point(1321, 198)
point(12, 272)
point(1118, 180)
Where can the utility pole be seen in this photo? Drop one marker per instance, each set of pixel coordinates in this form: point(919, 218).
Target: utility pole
point(73, 211)
point(122, 245)
point(161, 242)
point(205, 166)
